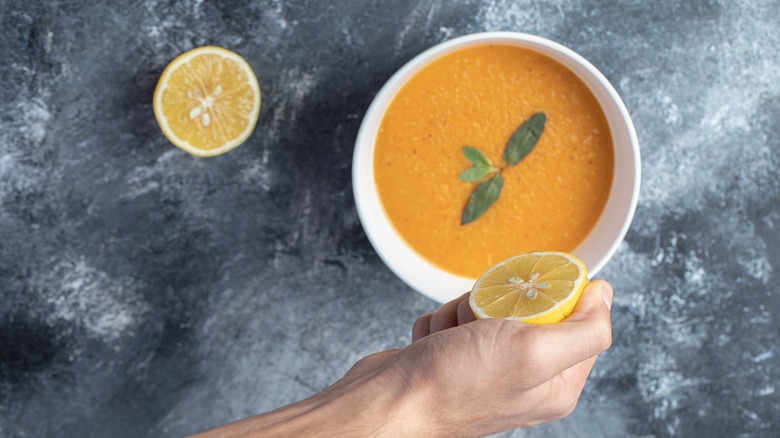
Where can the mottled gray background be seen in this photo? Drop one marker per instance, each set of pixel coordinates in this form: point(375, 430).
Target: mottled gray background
point(146, 292)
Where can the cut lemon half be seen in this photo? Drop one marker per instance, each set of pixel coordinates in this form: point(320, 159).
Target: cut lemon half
point(207, 101)
point(536, 288)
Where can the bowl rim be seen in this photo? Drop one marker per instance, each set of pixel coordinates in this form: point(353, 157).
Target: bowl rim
point(365, 144)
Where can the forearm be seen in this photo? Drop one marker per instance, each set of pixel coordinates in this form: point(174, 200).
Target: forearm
point(369, 405)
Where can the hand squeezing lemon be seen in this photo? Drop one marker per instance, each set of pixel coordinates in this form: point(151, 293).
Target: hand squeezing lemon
point(207, 101)
point(536, 288)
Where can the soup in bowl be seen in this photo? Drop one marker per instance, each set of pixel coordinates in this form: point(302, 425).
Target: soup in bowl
point(574, 188)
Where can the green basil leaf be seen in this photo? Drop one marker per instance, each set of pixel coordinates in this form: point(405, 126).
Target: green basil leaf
point(476, 157)
point(481, 198)
point(476, 173)
point(524, 139)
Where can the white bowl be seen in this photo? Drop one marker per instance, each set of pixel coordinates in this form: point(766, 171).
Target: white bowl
point(595, 250)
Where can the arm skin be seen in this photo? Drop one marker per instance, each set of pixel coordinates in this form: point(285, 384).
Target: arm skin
point(458, 378)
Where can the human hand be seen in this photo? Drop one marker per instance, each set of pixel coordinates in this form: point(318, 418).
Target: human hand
point(458, 378)
point(486, 376)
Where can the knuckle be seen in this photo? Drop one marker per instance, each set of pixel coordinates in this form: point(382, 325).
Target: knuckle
point(418, 323)
point(436, 316)
point(464, 312)
point(420, 327)
point(361, 365)
point(565, 397)
point(436, 321)
point(567, 407)
point(529, 341)
point(565, 404)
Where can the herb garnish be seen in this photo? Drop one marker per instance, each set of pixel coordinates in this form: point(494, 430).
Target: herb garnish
point(486, 192)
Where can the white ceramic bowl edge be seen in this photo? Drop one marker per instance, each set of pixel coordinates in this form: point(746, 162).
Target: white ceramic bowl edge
point(595, 250)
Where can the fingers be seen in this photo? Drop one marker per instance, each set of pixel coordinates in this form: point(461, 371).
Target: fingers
point(449, 315)
point(422, 327)
point(583, 335)
point(465, 314)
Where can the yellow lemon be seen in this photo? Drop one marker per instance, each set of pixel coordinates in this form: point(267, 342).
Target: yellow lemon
point(536, 288)
point(207, 101)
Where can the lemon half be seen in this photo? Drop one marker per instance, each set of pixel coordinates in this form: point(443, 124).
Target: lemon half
point(207, 101)
point(536, 288)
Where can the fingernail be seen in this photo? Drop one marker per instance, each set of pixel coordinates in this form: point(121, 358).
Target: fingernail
point(606, 293)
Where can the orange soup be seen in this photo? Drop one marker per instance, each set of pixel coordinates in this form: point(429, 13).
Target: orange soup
point(478, 97)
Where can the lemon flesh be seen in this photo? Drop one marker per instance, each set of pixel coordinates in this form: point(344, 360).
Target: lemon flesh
point(207, 101)
point(536, 288)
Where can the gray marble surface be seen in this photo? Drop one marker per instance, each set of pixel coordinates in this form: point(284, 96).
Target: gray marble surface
point(145, 292)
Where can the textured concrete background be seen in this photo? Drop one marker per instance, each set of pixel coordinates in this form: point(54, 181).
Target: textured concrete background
point(146, 292)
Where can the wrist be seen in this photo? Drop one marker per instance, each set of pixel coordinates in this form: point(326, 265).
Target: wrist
point(377, 403)
point(381, 403)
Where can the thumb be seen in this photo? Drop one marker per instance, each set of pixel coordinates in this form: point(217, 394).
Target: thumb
point(585, 333)
point(597, 294)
